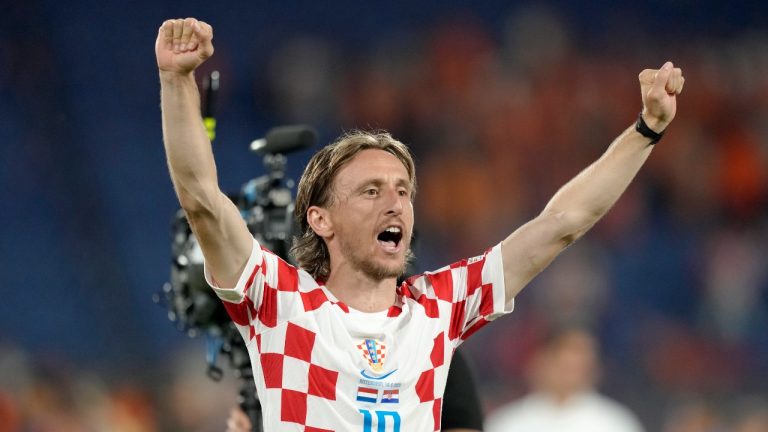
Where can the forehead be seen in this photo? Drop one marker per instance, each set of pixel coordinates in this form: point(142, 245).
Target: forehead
point(372, 164)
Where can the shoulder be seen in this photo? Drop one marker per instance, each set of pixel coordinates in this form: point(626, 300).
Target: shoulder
point(612, 411)
point(521, 414)
point(470, 272)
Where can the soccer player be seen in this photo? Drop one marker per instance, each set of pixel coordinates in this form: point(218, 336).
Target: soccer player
point(336, 345)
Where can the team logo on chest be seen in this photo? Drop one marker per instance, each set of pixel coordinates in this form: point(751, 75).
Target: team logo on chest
point(374, 353)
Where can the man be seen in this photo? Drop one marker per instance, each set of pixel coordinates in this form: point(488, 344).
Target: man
point(337, 345)
point(563, 373)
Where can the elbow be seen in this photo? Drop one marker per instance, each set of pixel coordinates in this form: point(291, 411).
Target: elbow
point(568, 227)
point(199, 201)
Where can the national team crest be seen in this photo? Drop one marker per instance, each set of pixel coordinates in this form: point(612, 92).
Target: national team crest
point(374, 352)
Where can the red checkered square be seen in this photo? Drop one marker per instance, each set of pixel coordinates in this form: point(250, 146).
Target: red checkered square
point(425, 386)
point(438, 351)
point(394, 311)
point(272, 370)
point(442, 283)
point(287, 276)
point(436, 411)
point(322, 382)
point(268, 308)
point(430, 306)
point(475, 276)
point(458, 317)
point(486, 300)
point(293, 407)
point(299, 342)
point(239, 311)
point(313, 299)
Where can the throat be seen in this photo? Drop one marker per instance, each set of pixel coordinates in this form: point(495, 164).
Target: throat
point(363, 293)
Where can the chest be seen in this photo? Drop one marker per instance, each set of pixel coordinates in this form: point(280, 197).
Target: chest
point(361, 358)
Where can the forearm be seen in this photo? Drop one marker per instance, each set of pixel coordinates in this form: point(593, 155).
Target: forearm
point(188, 150)
point(581, 202)
point(587, 197)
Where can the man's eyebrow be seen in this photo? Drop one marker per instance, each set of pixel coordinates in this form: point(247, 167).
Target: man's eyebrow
point(405, 182)
point(379, 182)
point(375, 181)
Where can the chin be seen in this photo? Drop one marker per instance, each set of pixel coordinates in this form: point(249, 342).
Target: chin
point(378, 271)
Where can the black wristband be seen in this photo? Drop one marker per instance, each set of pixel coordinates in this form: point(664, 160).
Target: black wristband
point(647, 132)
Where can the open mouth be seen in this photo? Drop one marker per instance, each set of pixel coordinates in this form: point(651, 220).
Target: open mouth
point(390, 238)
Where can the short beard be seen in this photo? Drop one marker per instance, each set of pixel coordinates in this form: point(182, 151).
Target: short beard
point(377, 272)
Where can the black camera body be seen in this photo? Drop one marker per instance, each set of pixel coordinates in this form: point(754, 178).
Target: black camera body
point(266, 204)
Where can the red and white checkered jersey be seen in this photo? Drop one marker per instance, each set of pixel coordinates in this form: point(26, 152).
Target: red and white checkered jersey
point(320, 365)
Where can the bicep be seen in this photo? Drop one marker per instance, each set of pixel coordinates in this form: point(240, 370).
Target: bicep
point(532, 247)
point(224, 239)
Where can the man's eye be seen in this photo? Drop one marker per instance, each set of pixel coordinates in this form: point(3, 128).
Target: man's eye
point(371, 192)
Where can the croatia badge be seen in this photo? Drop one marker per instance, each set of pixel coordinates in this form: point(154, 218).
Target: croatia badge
point(374, 353)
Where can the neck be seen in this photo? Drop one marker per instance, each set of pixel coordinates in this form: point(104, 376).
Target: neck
point(562, 396)
point(360, 292)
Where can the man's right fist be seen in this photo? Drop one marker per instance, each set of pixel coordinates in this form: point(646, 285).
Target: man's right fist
point(183, 44)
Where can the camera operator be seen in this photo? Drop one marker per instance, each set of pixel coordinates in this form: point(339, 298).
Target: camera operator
point(336, 344)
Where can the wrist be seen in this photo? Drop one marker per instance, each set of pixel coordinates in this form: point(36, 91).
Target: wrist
point(653, 123)
point(172, 77)
point(647, 131)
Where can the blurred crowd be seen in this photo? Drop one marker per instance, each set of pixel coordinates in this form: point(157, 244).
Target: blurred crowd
point(673, 282)
point(55, 395)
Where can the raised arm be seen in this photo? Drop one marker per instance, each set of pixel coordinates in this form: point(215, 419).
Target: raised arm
point(578, 205)
point(182, 45)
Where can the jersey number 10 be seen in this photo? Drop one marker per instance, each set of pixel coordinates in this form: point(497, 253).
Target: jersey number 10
point(381, 421)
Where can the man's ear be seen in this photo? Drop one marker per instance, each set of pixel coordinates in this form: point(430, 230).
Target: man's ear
point(319, 220)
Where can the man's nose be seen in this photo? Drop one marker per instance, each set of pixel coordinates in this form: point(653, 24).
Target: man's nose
point(394, 202)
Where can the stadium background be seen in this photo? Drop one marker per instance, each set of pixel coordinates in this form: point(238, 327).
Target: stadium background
point(502, 102)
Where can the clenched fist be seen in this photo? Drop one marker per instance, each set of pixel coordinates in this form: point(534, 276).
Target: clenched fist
point(182, 45)
point(659, 89)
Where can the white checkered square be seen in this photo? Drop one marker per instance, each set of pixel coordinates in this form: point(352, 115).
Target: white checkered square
point(459, 275)
point(289, 304)
point(317, 414)
point(273, 340)
point(295, 374)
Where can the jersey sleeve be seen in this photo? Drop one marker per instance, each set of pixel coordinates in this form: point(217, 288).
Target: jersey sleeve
point(467, 294)
point(254, 302)
point(248, 285)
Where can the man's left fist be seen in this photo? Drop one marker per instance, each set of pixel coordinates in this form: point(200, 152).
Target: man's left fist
point(659, 89)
